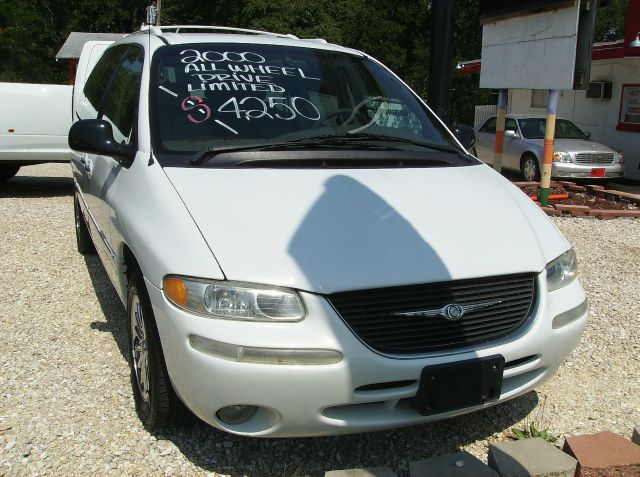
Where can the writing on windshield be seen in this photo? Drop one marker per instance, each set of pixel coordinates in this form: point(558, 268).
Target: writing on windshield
point(219, 94)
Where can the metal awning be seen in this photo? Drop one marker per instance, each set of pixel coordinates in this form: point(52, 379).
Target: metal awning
point(76, 40)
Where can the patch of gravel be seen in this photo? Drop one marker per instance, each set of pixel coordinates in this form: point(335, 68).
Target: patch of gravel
point(65, 401)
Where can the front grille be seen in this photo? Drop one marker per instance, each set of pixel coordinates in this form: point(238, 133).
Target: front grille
point(371, 314)
point(594, 158)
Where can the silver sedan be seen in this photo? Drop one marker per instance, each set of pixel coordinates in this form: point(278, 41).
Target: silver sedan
point(575, 154)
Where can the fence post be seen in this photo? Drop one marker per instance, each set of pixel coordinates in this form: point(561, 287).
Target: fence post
point(549, 134)
point(500, 121)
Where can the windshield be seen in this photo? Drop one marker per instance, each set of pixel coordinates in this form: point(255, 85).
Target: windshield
point(533, 128)
point(237, 95)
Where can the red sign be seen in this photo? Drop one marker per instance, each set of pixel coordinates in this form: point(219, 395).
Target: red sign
point(629, 119)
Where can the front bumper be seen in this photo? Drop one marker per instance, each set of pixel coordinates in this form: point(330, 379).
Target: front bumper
point(577, 171)
point(307, 400)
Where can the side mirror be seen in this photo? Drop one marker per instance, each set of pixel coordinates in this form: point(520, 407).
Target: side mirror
point(95, 136)
point(465, 134)
point(588, 134)
point(511, 133)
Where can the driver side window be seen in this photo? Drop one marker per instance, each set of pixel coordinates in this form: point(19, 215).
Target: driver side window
point(121, 104)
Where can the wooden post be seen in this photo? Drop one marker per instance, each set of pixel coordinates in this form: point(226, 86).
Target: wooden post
point(549, 134)
point(500, 121)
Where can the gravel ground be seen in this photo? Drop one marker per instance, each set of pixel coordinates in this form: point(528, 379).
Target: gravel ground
point(66, 406)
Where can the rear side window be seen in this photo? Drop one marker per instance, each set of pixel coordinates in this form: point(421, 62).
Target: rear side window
point(489, 126)
point(121, 104)
point(98, 80)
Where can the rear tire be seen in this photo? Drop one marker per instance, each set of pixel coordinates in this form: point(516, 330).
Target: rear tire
point(83, 238)
point(8, 171)
point(157, 404)
point(529, 168)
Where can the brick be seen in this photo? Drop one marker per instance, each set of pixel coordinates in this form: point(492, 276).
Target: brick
point(567, 183)
point(576, 188)
point(530, 458)
point(595, 187)
point(552, 211)
point(460, 464)
point(613, 213)
point(604, 454)
point(554, 184)
point(576, 210)
point(526, 184)
point(635, 437)
point(368, 472)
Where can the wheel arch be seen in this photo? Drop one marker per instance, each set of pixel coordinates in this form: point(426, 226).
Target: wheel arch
point(128, 265)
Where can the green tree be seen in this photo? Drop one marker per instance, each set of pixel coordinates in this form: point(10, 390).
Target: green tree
point(397, 33)
point(610, 21)
point(26, 39)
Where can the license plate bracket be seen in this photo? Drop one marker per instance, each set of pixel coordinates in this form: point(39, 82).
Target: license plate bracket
point(598, 172)
point(451, 386)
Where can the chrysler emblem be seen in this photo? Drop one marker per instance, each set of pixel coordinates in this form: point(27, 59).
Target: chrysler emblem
point(452, 311)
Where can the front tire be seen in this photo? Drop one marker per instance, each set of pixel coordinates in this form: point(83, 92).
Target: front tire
point(8, 171)
point(529, 168)
point(156, 402)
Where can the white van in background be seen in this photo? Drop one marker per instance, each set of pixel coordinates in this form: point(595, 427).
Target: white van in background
point(35, 118)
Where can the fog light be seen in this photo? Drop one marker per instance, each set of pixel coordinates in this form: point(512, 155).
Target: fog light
point(236, 414)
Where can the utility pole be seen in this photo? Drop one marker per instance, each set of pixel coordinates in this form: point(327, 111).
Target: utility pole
point(440, 55)
point(158, 10)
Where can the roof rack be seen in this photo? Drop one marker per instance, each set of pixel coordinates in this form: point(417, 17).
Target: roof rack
point(186, 29)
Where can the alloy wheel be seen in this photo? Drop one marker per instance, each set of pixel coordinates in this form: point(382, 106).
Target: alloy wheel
point(529, 169)
point(139, 349)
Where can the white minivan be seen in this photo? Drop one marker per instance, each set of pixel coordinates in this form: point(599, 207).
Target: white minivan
point(302, 246)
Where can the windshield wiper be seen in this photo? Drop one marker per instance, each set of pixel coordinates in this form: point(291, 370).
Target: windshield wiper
point(326, 140)
point(381, 137)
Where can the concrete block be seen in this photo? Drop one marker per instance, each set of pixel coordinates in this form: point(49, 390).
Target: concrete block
point(604, 454)
point(460, 464)
point(369, 472)
point(530, 458)
point(635, 437)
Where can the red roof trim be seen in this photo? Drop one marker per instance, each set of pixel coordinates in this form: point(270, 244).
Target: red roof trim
point(600, 51)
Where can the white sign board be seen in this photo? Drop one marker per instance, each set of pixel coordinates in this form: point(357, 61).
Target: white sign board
point(536, 51)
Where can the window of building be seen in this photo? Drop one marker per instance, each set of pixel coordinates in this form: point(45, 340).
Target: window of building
point(539, 98)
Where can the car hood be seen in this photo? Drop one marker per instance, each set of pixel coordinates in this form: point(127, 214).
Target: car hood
point(577, 145)
point(332, 230)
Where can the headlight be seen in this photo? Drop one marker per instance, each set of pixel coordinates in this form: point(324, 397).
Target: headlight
point(233, 301)
point(562, 270)
point(559, 156)
point(620, 157)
